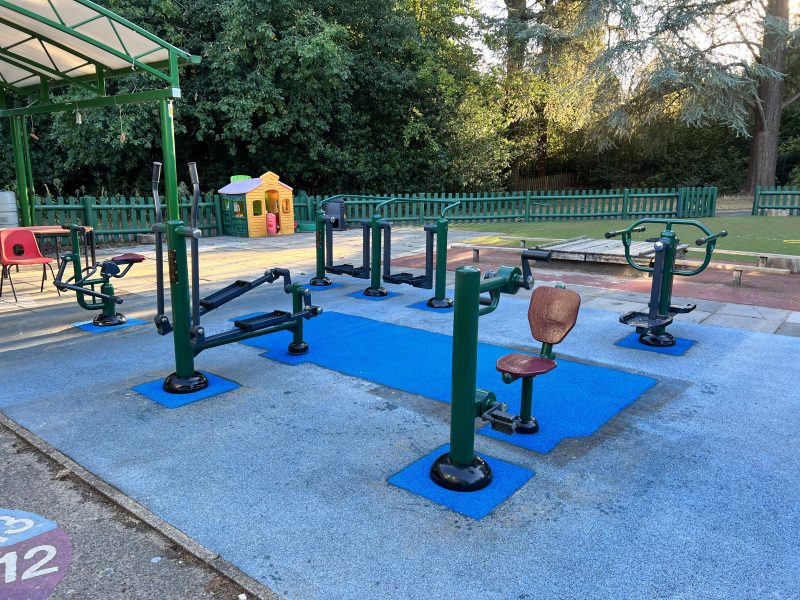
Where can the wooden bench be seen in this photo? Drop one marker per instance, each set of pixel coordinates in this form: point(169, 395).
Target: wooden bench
point(764, 258)
point(737, 270)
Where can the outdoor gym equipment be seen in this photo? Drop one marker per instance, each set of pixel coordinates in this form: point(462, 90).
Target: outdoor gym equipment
point(188, 334)
point(377, 229)
point(84, 283)
point(651, 326)
point(461, 469)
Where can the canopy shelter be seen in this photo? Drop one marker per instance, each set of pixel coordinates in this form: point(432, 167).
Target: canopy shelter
point(46, 44)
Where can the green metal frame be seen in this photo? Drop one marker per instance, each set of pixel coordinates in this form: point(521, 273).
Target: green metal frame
point(662, 296)
point(51, 76)
point(376, 225)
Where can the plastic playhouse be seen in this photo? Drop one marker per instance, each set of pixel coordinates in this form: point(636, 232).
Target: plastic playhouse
point(257, 207)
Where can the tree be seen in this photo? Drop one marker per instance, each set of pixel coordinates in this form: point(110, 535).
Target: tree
point(721, 61)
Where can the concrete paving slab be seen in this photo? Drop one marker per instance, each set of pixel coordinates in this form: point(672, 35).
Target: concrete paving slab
point(612, 304)
point(792, 329)
point(757, 312)
point(794, 317)
point(743, 322)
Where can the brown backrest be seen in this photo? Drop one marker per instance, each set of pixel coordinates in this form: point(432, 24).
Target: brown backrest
point(552, 313)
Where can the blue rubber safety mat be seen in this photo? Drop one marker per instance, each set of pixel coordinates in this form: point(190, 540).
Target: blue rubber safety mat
point(360, 295)
point(574, 400)
point(155, 392)
point(632, 341)
point(423, 305)
point(91, 328)
point(507, 479)
point(322, 288)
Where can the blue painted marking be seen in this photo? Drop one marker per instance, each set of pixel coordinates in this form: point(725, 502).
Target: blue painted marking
point(155, 392)
point(17, 526)
point(574, 400)
point(508, 478)
point(361, 296)
point(323, 288)
point(424, 306)
point(679, 349)
point(88, 326)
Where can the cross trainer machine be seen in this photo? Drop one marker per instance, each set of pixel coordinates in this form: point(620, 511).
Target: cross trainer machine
point(84, 283)
point(552, 315)
point(652, 325)
point(376, 229)
point(189, 335)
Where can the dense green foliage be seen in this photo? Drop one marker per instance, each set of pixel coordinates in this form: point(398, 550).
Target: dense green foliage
point(370, 96)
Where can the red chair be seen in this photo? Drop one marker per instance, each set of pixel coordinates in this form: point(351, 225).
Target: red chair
point(19, 247)
point(552, 314)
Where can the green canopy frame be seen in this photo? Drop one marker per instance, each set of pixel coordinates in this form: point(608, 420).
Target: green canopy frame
point(79, 44)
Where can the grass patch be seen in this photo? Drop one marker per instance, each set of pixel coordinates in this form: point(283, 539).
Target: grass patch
point(746, 233)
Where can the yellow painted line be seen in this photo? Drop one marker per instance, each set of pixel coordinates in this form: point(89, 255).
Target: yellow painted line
point(791, 241)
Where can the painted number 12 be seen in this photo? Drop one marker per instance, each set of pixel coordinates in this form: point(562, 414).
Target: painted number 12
point(9, 562)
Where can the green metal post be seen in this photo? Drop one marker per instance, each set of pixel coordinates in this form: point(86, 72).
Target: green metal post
point(465, 365)
point(176, 255)
point(665, 294)
point(375, 288)
point(526, 404)
point(439, 300)
point(298, 345)
point(20, 167)
point(320, 279)
point(26, 148)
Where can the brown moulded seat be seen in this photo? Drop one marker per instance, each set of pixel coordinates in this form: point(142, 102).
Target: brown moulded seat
point(128, 258)
point(524, 365)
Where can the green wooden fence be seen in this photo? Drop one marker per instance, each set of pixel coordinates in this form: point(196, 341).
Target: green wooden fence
point(533, 206)
point(119, 219)
point(779, 198)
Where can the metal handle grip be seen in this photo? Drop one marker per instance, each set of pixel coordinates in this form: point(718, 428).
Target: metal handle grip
point(710, 238)
point(545, 255)
point(156, 173)
point(193, 173)
point(611, 234)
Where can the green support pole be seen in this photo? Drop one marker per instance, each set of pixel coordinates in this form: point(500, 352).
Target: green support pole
point(298, 345)
point(20, 167)
point(439, 300)
point(375, 288)
point(185, 379)
point(460, 469)
point(526, 404)
point(321, 279)
point(26, 148)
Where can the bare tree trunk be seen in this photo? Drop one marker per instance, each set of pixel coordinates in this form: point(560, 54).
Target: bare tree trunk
point(767, 122)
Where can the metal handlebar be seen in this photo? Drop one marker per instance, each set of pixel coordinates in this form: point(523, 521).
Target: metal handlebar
point(612, 234)
point(711, 238)
point(195, 193)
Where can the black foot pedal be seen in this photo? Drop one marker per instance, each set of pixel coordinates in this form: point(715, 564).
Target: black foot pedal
point(681, 310)
point(259, 322)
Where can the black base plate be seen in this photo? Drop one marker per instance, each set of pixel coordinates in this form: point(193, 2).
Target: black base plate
point(375, 293)
point(527, 427)
point(102, 320)
point(461, 478)
point(300, 348)
point(185, 385)
point(445, 303)
point(320, 281)
point(663, 340)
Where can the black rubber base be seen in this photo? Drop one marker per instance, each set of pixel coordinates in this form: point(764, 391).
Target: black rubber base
point(300, 348)
point(185, 385)
point(102, 320)
point(664, 340)
point(461, 478)
point(527, 427)
point(375, 293)
point(320, 281)
point(445, 303)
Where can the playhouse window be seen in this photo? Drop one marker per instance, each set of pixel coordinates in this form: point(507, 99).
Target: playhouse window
point(257, 209)
point(237, 209)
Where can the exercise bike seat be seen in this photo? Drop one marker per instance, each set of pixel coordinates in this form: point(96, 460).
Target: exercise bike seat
point(525, 365)
point(127, 259)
